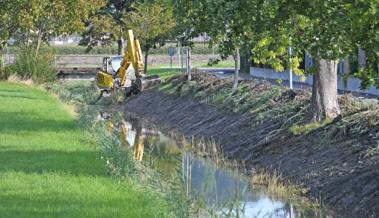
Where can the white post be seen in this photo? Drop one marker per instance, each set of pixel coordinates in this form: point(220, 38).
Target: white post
point(181, 60)
point(290, 70)
point(179, 51)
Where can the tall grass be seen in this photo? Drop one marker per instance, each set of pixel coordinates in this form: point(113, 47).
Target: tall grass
point(29, 65)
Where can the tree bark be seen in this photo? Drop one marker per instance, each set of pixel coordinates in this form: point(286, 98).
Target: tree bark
point(236, 57)
point(245, 59)
point(39, 41)
point(145, 61)
point(324, 102)
point(121, 46)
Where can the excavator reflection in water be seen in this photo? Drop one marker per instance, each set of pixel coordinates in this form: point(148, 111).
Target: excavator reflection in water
point(130, 133)
point(134, 136)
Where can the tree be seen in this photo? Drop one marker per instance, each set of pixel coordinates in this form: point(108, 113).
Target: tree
point(152, 22)
point(365, 33)
point(34, 21)
point(321, 28)
point(221, 20)
point(187, 18)
point(225, 22)
point(109, 24)
point(4, 21)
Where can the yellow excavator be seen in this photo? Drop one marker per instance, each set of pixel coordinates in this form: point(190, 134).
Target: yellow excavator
point(125, 72)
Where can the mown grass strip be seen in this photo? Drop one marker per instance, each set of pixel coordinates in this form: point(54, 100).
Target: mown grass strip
point(50, 167)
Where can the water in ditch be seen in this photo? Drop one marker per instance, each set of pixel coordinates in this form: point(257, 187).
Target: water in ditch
point(221, 188)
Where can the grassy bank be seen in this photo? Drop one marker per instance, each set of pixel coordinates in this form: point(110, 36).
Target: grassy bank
point(50, 167)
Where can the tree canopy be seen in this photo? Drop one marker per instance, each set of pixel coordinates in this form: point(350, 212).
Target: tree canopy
point(326, 30)
point(152, 23)
point(34, 21)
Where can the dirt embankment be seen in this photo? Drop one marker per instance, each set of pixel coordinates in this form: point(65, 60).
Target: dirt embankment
point(265, 127)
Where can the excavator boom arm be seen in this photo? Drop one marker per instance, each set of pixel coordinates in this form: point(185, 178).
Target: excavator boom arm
point(133, 56)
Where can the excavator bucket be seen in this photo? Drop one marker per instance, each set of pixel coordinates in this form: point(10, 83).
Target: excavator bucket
point(141, 84)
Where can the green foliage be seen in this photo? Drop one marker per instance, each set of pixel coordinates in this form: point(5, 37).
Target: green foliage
point(28, 65)
point(297, 129)
point(33, 22)
point(186, 18)
point(108, 24)
point(364, 23)
point(151, 22)
point(6, 25)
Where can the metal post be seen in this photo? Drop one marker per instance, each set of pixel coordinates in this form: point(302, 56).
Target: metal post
point(290, 70)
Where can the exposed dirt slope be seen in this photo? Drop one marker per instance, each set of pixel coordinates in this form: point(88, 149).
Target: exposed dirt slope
point(263, 126)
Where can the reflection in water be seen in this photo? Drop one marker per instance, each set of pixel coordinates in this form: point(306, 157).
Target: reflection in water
point(220, 188)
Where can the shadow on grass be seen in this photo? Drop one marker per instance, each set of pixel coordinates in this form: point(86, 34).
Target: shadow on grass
point(71, 205)
point(84, 163)
point(12, 91)
point(18, 96)
point(15, 121)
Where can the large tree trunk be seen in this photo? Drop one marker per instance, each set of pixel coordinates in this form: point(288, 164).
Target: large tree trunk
point(121, 46)
point(324, 102)
point(145, 61)
point(236, 57)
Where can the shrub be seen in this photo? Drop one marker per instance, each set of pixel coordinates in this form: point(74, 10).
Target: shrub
point(28, 65)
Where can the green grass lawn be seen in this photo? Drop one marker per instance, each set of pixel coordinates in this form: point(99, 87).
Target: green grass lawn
point(163, 73)
point(50, 167)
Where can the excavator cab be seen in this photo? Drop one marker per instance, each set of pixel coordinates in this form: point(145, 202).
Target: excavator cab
point(125, 72)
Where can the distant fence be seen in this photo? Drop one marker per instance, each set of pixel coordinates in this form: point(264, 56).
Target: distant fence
point(352, 84)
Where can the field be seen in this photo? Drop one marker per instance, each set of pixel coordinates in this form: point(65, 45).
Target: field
point(50, 167)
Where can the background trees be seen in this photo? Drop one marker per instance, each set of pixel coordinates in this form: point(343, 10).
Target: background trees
point(152, 22)
point(226, 21)
point(4, 23)
point(365, 33)
point(109, 24)
point(33, 22)
point(323, 29)
point(326, 30)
